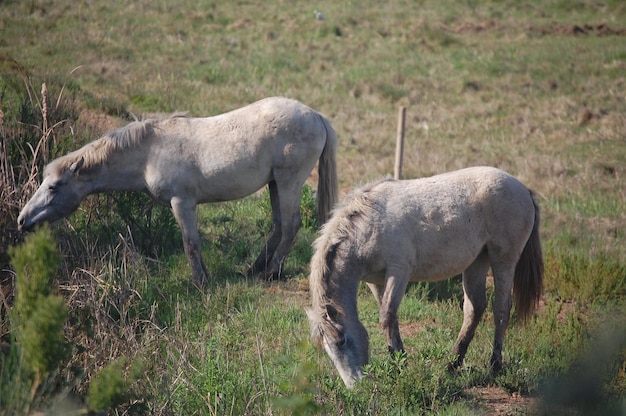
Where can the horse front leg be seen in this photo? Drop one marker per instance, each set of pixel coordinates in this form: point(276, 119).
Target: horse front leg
point(185, 214)
point(395, 286)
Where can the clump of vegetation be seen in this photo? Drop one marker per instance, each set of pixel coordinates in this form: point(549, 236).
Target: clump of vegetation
point(39, 315)
point(585, 278)
point(110, 387)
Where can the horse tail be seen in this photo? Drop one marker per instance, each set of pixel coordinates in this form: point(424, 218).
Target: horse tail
point(327, 186)
point(528, 281)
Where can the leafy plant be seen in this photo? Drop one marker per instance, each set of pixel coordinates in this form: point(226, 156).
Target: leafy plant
point(39, 315)
point(584, 278)
point(110, 387)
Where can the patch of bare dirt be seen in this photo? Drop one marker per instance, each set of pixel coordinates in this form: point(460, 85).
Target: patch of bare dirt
point(467, 26)
point(566, 308)
point(295, 291)
point(411, 329)
point(555, 29)
point(494, 401)
point(577, 30)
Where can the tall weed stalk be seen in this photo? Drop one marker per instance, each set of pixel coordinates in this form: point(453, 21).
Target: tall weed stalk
point(29, 128)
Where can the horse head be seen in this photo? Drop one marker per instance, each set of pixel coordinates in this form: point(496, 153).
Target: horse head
point(345, 341)
point(58, 196)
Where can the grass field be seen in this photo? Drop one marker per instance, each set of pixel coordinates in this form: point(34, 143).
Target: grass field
point(536, 88)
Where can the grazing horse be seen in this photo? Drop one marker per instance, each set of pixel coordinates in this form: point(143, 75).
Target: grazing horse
point(182, 161)
point(392, 232)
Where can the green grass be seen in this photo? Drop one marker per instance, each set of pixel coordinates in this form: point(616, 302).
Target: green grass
point(243, 345)
point(501, 83)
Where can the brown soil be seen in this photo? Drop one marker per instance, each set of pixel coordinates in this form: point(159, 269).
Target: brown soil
point(576, 30)
point(468, 26)
point(492, 401)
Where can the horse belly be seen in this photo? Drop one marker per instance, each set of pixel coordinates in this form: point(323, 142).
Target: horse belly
point(440, 267)
point(229, 187)
point(190, 182)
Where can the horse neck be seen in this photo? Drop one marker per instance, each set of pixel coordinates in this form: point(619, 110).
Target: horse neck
point(121, 171)
point(339, 287)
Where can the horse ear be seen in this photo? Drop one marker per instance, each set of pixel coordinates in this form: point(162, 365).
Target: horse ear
point(74, 167)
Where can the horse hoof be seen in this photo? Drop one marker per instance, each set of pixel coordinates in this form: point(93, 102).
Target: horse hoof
point(200, 284)
point(267, 275)
point(251, 272)
point(454, 367)
point(272, 275)
point(496, 367)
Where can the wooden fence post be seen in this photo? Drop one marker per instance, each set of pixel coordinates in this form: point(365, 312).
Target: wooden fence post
point(397, 172)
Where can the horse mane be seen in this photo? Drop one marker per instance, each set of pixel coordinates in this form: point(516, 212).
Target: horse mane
point(346, 219)
point(98, 151)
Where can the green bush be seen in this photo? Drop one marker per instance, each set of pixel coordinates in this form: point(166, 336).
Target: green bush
point(110, 387)
point(41, 339)
point(39, 316)
point(584, 278)
point(35, 263)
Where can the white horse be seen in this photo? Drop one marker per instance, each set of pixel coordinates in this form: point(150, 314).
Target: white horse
point(182, 161)
point(392, 232)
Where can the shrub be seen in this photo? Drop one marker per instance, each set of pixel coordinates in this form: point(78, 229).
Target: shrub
point(38, 316)
point(110, 387)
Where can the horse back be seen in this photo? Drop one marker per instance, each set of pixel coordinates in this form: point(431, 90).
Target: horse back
point(234, 154)
point(437, 226)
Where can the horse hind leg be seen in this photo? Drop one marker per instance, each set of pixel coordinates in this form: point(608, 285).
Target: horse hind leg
point(265, 257)
point(474, 305)
point(503, 284)
point(378, 291)
point(289, 221)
